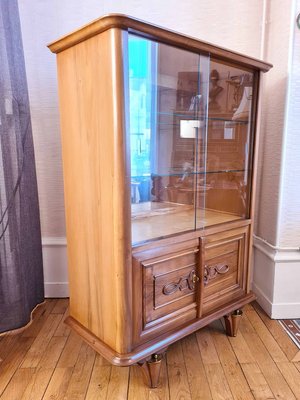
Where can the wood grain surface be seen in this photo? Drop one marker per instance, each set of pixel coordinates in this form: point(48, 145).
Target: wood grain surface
point(156, 226)
point(93, 147)
point(257, 364)
point(152, 32)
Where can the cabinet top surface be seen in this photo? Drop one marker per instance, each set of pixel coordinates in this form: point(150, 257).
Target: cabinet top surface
point(153, 32)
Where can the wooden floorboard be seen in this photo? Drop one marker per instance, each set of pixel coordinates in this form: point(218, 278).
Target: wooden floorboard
point(48, 361)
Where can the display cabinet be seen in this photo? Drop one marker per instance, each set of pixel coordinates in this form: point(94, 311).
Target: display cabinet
point(158, 140)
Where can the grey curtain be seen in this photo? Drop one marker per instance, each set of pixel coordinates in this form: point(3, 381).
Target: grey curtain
point(21, 272)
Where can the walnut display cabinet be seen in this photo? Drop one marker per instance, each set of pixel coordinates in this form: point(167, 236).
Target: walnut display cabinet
point(158, 140)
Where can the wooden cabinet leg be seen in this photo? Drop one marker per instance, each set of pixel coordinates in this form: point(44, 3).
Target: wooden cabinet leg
point(151, 370)
point(232, 322)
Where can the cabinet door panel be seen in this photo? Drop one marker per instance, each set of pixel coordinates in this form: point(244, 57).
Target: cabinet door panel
point(220, 272)
point(167, 102)
point(224, 269)
point(230, 139)
point(165, 288)
point(168, 284)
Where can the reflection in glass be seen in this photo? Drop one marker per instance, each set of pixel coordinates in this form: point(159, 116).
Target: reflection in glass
point(229, 140)
point(167, 111)
point(140, 93)
point(190, 140)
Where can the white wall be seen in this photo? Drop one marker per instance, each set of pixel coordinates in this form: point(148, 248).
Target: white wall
point(289, 218)
point(276, 51)
point(231, 23)
point(276, 256)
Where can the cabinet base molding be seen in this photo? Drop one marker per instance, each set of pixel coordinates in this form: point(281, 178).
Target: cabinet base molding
point(159, 344)
point(232, 322)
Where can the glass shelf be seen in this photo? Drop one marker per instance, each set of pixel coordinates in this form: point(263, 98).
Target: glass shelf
point(194, 116)
point(197, 173)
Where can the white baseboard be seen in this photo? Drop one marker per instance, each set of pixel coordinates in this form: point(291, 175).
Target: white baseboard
point(56, 289)
point(262, 299)
point(276, 280)
point(286, 311)
point(55, 267)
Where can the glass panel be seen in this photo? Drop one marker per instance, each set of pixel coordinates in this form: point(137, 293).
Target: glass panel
point(229, 143)
point(167, 108)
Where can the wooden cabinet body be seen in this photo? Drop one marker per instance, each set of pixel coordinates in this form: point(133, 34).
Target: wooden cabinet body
point(156, 256)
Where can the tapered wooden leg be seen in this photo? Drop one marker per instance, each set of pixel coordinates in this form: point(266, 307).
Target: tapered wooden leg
point(151, 370)
point(232, 322)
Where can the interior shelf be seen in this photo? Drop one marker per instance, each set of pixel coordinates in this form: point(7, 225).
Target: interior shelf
point(195, 116)
point(160, 223)
point(181, 173)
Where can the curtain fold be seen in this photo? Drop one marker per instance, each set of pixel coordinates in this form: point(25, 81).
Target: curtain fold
point(21, 268)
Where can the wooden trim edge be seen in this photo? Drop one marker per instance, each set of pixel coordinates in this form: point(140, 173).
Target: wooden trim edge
point(152, 31)
point(155, 345)
point(186, 236)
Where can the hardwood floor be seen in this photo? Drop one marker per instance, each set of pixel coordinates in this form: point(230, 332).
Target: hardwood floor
point(47, 361)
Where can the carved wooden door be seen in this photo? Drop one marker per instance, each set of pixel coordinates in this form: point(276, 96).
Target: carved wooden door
point(166, 288)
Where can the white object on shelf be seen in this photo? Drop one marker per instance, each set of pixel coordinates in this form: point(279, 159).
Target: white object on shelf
point(188, 128)
point(242, 112)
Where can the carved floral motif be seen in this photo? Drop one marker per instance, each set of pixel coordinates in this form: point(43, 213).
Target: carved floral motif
point(186, 282)
point(211, 272)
